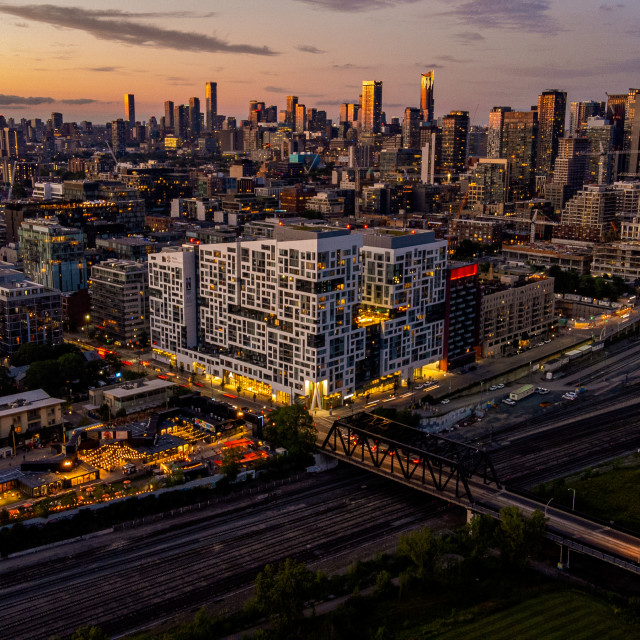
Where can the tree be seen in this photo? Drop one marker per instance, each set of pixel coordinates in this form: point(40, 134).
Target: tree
point(480, 534)
point(7, 385)
point(44, 374)
point(282, 590)
point(292, 428)
point(422, 548)
point(105, 412)
point(89, 633)
point(231, 463)
point(72, 367)
point(519, 537)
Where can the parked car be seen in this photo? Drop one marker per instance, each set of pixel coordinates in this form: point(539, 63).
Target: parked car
point(508, 401)
point(500, 386)
point(445, 401)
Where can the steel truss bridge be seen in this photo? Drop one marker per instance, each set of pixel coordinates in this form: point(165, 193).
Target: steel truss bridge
point(464, 475)
point(419, 458)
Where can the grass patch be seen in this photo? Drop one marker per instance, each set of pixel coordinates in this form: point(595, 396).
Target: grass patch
point(560, 615)
point(608, 492)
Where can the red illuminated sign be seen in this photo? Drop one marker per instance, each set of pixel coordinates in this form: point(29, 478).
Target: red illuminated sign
point(464, 272)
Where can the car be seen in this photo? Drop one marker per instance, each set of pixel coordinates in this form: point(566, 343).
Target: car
point(419, 386)
point(445, 401)
point(547, 341)
point(508, 401)
point(569, 396)
point(500, 386)
point(493, 387)
point(542, 391)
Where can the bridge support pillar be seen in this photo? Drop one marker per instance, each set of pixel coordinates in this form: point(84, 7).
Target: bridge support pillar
point(470, 515)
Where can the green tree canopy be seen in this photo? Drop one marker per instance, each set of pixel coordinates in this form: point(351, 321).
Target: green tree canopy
point(292, 428)
point(231, 463)
point(519, 537)
point(422, 548)
point(44, 374)
point(282, 590)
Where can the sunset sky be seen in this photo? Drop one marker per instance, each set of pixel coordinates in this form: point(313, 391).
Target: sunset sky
point(81, 57)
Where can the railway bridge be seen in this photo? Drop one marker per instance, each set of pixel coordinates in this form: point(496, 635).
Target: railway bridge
point(464, 475)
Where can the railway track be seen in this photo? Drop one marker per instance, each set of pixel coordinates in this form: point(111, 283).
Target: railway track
point(137, 578)
point(543, 456)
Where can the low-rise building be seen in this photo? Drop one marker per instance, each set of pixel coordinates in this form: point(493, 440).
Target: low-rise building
point(513, 311)
point(543, 255)
point(620, 259)
point(29, 414)
point(133, 396)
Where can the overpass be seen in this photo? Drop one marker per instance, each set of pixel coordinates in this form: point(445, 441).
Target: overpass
point(464, 475)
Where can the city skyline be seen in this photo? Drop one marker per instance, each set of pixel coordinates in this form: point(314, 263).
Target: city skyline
point(82, 61)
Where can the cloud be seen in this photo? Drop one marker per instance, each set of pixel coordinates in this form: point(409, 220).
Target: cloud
point(272, 89)
point(610, 8)
point(351, 6)
point(79, 101)
point(290, 92)
point(453, 59)
point(469, 36)
point(430, 65)
point(103, 69)
point(9, 100)
point(349, 66)
point(307, 48)
point(520, 15)
point(119, 26)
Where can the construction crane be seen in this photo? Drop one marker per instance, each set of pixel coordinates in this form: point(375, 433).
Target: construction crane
point(113, 155)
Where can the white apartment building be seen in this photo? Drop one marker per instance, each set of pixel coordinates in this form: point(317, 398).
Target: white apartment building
point(294, 315)
point(172, 299)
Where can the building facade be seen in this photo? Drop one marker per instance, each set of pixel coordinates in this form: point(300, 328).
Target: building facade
point(513, 312)
point(120, 300)
point(309, 313)
point(371, 107)
point(53, 255)
point(552, 108)
point(29, 313)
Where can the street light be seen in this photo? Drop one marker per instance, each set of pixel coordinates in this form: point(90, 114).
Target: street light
point(546, 506)
point(573, 503)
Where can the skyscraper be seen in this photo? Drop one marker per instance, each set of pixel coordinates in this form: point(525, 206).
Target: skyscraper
point(411, 128)
point(119, 136)
point(552, 107)
point(426, 96)
point(211, 105)
point(181, 121)
point(580, 112)
point(519, 148)
point(168, 114)
point(130, 109)
point(290, 118)
point(631, 142)
point(301, 118)
point(371, 115)
point(496, 131)
point(455, 134)
point(194, 117)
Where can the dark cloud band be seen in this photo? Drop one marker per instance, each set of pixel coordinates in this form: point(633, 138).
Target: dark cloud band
point(119, 27)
